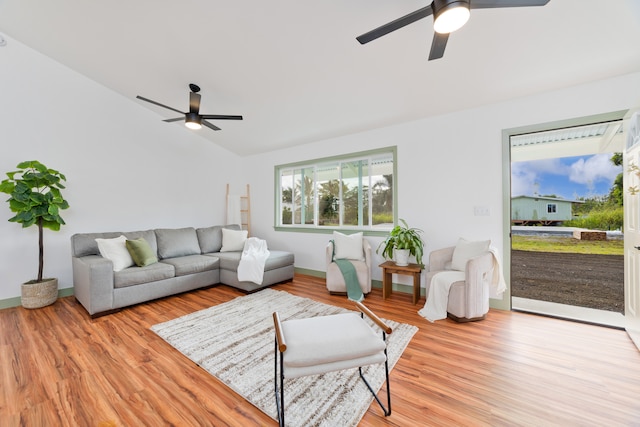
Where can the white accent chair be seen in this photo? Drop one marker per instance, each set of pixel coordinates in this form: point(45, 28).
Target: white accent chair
point(335, 280)
point(317, 345)
point(469, 298)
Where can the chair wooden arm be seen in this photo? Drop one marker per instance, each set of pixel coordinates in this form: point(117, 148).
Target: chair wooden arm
point(386, 328)
point(282, 345)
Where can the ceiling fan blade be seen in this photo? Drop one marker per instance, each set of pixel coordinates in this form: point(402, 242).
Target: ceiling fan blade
point(437, 45)
point(492, 4)
point(395, 25)
point(194, 102)
point(209, 125)
point(219, 117)
point(158, 104)
point(174, 120)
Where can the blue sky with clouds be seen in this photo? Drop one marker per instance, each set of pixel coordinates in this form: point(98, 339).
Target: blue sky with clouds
point(567, 177)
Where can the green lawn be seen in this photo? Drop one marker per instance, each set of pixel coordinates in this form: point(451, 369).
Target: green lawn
point(567, 244)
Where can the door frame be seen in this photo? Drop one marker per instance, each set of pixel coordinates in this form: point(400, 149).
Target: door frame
point(631, 245)
point(505, 302)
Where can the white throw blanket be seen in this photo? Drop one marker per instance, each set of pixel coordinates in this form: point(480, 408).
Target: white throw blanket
point(498, 285)
point(254, 257)
point(435, 308)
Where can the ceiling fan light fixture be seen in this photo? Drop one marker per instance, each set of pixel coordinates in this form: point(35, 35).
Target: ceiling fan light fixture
point(450, 15)
point(193, 121)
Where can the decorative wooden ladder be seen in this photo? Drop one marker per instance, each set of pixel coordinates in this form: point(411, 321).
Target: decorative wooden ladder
point(245, 210)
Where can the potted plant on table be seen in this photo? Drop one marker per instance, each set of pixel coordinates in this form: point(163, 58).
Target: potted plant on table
point(402, 242)
point(35, 198)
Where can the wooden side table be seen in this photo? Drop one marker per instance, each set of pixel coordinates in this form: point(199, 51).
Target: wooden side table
point(390, 267)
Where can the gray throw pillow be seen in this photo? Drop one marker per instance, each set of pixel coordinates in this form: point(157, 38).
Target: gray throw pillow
point(210, 238)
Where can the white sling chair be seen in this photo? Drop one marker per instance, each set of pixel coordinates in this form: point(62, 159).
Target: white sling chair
point(317, 345)
point(362, 263)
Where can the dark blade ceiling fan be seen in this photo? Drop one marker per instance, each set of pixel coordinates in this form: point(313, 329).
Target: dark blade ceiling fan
point(193, 119)
point(448, 15)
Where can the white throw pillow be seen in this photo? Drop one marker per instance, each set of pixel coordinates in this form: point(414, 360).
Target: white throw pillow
point(348, 247)
point(116, 251)
point(233, 240)
point(466, 250)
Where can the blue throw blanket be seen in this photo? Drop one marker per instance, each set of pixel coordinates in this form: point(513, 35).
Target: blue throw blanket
point(348, 270)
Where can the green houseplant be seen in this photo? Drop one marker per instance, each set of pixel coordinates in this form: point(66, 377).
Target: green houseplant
point(402, 237)
point(36, 199)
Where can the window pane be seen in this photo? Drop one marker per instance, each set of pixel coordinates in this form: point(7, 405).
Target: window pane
point(355, 188)
point(353, 191)
point(382, 190)
point(328, 195)
point(309, 195)
point(286, 201)
point(303, 196)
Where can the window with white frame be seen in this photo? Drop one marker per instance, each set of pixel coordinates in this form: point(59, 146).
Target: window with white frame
point(551, 208)
point(355, 191)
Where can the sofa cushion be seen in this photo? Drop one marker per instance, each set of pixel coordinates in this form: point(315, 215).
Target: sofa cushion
point(137, 275)
point(228, 260)
point(83, 244)
point(277, 259)
point(116, 251)
point(210, 238)
point(141, 252)
point(192, 264)
point(233, 240)
point(176, 242)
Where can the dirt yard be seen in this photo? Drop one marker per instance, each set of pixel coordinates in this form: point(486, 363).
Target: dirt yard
point(594, 281)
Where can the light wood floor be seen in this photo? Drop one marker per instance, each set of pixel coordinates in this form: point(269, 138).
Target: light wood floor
point(60, 368)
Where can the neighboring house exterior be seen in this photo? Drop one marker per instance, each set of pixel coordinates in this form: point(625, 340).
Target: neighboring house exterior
point(526, 210)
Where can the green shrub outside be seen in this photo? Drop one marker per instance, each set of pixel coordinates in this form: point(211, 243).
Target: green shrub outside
point(608, 218)
point(287, 216)
point(383, 218)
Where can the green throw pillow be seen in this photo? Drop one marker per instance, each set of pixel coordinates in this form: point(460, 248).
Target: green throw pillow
point(141, 252)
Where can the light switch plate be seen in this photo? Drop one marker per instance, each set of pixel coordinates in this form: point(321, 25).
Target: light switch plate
point(481, 211)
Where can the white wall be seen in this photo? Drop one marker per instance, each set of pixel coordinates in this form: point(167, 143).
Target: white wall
point(125, 168)
point(447, 165)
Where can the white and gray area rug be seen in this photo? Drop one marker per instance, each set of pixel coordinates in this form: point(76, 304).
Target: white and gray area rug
point(234, 342)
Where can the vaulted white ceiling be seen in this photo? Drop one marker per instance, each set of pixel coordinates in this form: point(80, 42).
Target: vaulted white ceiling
point(294, 70)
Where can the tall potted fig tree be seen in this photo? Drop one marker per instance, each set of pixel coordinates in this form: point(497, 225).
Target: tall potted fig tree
point(35, 198)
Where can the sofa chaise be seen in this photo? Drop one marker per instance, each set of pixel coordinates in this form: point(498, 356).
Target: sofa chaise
point(187, 259)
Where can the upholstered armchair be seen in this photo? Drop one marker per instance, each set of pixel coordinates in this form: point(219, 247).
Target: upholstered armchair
point(468, 298)
point(361, 261)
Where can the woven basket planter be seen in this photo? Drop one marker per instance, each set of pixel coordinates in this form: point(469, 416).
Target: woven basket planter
point(40, 294)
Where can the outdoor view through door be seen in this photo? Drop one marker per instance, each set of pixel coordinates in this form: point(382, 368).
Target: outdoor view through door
point(567, 217)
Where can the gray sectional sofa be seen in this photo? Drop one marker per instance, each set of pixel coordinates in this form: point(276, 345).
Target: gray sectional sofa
point(188, 259)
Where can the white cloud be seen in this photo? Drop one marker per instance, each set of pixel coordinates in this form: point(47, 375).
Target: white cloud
point(523, 179)
point(527, 179)
point(595, 168)
point(551, 176)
